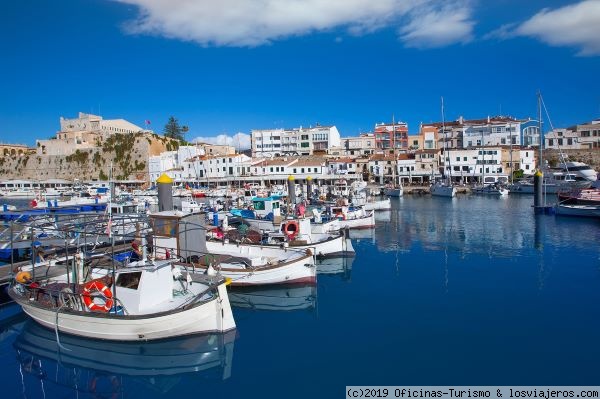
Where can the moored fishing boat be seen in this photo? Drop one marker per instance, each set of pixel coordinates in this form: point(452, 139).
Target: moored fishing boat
point(184, 236)
point(145, 301)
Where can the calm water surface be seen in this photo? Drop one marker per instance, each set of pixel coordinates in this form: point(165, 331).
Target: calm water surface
point(468, 291)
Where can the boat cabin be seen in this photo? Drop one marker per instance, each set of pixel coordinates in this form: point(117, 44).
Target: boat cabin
point(142, 289)
point(265, 206)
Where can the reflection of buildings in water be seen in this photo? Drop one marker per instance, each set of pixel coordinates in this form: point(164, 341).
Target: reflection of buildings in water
point(284, 298)
point(484, 226)
point(86, 365)
point(340, 266)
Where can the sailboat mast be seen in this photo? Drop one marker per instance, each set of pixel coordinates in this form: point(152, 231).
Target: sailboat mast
point(540, 152)
point(446, 156)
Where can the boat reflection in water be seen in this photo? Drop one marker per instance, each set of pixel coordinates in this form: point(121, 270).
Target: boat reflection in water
point(383, 216)
point(112, 369)
point(335, 266)
point(284, 298)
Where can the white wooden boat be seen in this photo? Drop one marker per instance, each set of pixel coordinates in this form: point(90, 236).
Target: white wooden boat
point(184, 236)
point(378, 205)
point(491, 190)
point(590, 211)
point(440, 189)
point(144, 302)
point(371, 204)
point(353, 217)
point(248, 265)
point(293, 233)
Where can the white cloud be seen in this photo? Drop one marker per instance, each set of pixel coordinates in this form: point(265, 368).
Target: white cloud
point(258, 22)
point(240, 140)
point(576, 25)
point(438, 27)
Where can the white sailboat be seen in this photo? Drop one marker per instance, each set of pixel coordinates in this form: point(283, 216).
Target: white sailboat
point(444, 188)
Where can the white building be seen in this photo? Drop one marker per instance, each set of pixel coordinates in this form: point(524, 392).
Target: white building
point(172, 163)
point(472, 165)
point(300, 141)
point(207, 167)
point(363, 145)
point(562, 139)
point(589, 134)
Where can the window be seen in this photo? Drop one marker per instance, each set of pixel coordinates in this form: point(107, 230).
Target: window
point(302, 170)
point(304, 145)
point(570, 141)
point(550, 142)
point(304, 137)
point(465, 159)
point(129, 280)
point(457, 159)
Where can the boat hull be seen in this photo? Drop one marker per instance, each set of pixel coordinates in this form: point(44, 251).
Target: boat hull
point(208, 317)
point(440, 190)
point(590, 211)
point(382, 205)
point(299, 270)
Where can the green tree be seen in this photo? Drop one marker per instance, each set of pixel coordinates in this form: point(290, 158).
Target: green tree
point(174, 131)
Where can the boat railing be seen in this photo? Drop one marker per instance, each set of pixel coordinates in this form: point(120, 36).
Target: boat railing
point(61, 296)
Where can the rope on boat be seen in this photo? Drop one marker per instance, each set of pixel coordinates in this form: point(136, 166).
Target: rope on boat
point(60, 346)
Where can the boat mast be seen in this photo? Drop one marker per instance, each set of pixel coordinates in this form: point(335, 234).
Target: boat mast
point(540, 153)
point(511, 153)
point(395, 164)
point(447, 180)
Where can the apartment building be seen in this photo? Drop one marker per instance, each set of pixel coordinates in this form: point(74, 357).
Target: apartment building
point(562, 139)
point(589, 134)
point(490, 131)
point(353, 147)
point(391, 136)
point(298, 141)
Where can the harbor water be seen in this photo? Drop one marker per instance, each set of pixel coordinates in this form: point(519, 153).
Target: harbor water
point(464, 291)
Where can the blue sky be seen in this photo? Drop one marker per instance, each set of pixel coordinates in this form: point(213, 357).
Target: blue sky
point(235, 65)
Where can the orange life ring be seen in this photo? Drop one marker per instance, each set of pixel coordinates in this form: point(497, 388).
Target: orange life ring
point(98, 286)
point(291, 228)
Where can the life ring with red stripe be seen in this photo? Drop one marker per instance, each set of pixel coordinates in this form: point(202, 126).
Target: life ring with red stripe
point(291, 228)
point(97, 286)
